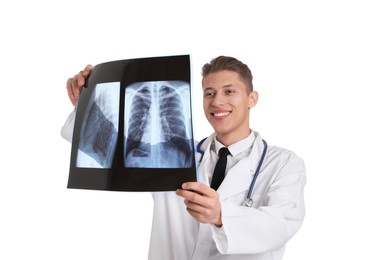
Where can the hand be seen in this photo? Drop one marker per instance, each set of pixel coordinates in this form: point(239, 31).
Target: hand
point(202, 202)
point(74, 85)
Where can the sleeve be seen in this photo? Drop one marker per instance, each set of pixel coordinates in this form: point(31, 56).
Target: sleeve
point(67, 128)
point(267, 227)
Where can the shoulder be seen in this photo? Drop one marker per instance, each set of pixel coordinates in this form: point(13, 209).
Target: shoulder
point(205, 143)
point(277, 153)
point(282, 153)
point(285, 160)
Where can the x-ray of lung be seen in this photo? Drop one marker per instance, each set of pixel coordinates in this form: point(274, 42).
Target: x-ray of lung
point(157, 125)
point(99, 129)
point(133, 127)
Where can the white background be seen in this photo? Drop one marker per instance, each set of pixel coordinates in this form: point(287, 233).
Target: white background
point(322, 70)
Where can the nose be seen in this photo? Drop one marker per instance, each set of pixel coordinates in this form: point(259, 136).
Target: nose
point(219, 99)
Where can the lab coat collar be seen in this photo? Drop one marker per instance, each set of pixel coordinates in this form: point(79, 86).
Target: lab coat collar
point(240, 176)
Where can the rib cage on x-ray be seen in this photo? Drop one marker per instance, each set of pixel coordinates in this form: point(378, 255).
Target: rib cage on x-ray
point(99, 130)
point(158, 128)
point(140, 117)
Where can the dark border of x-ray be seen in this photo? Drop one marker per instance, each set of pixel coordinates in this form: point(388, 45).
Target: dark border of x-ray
point(120, 178)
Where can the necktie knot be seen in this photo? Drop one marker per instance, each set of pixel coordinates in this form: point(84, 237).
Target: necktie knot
point(223, 152)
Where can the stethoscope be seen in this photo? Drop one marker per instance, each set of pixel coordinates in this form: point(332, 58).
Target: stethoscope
point(248, 201)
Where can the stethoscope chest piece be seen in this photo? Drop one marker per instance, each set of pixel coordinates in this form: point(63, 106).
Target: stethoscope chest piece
point(248, 202)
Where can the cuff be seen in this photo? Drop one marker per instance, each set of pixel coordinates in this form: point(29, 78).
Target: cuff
point(67, 128)
point(220, 238)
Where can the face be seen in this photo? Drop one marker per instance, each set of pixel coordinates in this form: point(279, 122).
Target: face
point(226, 103)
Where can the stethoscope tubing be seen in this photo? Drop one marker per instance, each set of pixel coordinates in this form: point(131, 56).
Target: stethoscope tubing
point(248, 200)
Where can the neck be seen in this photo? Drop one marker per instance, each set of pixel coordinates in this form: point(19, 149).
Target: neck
point(230, 139)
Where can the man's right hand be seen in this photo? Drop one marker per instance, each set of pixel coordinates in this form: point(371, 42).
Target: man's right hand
point(74, 85)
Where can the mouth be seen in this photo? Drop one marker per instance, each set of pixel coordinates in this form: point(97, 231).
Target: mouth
point(220, 114)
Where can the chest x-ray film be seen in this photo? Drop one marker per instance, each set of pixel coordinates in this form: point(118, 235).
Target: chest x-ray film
point(133, 127)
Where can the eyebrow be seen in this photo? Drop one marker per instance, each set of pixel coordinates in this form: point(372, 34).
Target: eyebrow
point(224, 86)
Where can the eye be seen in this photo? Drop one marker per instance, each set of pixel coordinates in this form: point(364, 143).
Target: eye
point(229, 91)
point(208, 94)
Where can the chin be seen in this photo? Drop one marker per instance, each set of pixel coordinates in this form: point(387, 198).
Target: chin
point(221, 130)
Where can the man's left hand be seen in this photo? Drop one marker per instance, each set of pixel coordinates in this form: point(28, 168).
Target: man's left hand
point(202, 202)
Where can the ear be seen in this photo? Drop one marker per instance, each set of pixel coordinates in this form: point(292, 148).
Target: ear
point(253, 98)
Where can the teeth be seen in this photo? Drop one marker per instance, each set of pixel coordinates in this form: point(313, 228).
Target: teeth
point(221, 114)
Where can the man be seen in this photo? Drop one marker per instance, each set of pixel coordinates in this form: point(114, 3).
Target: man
point(199, 222)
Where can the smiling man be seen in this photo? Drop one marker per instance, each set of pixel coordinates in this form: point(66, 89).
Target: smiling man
point(257, 204)
point(226, 102)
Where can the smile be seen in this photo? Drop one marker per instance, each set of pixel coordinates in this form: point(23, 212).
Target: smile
point(221, 114)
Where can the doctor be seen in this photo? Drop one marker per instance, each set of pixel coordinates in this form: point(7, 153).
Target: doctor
point(200, 222)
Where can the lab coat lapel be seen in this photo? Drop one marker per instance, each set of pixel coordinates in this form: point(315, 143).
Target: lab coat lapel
point(237, 180)
point(240, 176)
point(205, 160)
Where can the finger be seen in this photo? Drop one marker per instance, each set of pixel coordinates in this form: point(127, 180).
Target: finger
point(83, 75)
point(191, 198)
point(74, 85)
point(204, 215)
point(74, 88)
point(188, 195)
point(87, 70)
point(80, 80)
point(200, 209)
point(199, 217)
point(69, 89)
point(200, 188)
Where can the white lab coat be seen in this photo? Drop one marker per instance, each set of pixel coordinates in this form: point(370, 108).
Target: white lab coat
point(259, 232)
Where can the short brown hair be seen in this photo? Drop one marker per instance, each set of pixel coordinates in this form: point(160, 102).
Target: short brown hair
point(229, 63)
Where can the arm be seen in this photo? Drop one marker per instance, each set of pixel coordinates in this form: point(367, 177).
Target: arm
point(269, 226)
point(238, 229)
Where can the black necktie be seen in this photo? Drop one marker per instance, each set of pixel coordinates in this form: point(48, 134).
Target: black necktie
point(220, 168)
